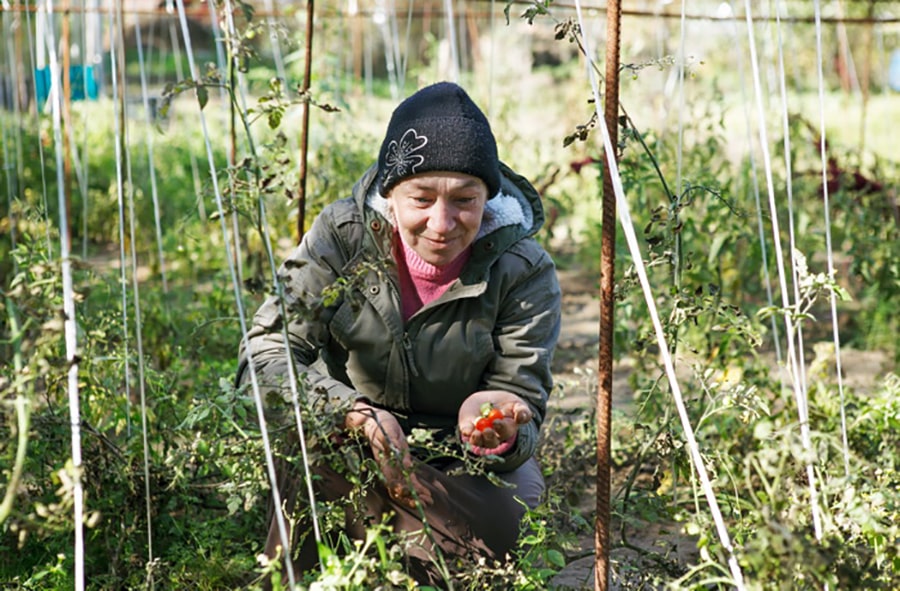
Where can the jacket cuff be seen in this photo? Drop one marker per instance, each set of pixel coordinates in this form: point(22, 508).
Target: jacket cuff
point(501, 449)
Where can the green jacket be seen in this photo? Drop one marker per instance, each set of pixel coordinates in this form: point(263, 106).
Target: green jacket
point(495, 328)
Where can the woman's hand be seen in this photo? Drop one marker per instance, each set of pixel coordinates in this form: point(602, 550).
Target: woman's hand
point(515, 412)
point(391, 451)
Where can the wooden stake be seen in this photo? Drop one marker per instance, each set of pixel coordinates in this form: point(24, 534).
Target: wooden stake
point(866, 78)
point(607, 282)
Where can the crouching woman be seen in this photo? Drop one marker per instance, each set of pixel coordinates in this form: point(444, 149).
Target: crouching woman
point(419, 304)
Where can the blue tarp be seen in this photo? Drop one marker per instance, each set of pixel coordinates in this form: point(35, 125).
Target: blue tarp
point(82, 82)
point(894, 71)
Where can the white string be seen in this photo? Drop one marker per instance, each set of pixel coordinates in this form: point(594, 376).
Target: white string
point(391, 23)
point(292, 371)
point(368, 60)
point(292, 381)
point(35, 49)
point(680, 147)
point(755, 184)
point(5, 101)
point(634, 248)
point(405, 64)
point(828, 246)
point(390, 60)
point(179, 72)
point(273, 39)
point(218, 43)
point(395, 52)
point(789, 323)
point(69, 325)
point(151, 161)
point(396, 60)
point(120, 134)
point(451, 35)
point(81, 164)
point(123, 278)
point(270, 464)
point(789, 181)
point(224, 95)
point(492, 109)
point(12, 167)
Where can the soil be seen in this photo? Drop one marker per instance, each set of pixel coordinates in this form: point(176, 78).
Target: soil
point(651, 547)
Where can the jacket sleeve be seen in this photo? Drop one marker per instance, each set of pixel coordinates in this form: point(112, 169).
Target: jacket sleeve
point(311, 270)
point(525, 337)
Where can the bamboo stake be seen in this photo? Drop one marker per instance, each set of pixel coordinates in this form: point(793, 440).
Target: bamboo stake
point(607, 302)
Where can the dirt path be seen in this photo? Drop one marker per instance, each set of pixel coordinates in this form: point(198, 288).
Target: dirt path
point(575, 371)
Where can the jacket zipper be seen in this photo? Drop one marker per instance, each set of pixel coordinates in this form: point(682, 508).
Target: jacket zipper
point(407, 347)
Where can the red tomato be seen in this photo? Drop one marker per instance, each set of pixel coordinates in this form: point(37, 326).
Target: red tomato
point(483, 423)
point(487, 419)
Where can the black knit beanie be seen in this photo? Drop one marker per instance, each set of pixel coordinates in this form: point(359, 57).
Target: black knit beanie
point(438, 128)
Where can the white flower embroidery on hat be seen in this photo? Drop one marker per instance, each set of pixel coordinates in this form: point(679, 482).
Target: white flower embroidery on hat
point(400, 159)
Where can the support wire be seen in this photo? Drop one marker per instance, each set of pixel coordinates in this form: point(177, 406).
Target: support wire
point(270, 463)
point(127, 190)
point(828, 245)
point(788, 320)
point(69, 324)
point(754, 174)
point(151, 161)
point(789, 187)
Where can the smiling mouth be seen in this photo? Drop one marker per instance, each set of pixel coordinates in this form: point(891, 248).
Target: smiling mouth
point(443, 242)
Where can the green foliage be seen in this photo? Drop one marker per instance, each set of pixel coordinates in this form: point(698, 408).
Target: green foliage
point(204, 458)
point(193, 468)
point(703, 258)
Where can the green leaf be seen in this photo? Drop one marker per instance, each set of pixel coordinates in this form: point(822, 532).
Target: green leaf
point(556, 558)
point(202, 96)
point(274, 118)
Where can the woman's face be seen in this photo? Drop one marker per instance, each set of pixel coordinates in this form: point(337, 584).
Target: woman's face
point(438, 214)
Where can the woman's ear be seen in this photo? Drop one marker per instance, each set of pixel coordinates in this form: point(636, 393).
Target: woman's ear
point(392, 218)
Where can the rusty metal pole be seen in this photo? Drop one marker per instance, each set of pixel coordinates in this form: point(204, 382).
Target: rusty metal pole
point(607, 281)
point(304, 130)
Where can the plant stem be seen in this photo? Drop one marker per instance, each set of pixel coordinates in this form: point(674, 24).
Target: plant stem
point(23, 414)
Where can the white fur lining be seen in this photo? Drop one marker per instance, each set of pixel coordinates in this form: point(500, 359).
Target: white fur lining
point(501, 211)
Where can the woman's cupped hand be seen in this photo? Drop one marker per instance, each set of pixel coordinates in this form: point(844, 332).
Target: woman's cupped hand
point(514, 412)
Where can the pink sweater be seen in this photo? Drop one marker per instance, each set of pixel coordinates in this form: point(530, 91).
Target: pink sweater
point(420, 281)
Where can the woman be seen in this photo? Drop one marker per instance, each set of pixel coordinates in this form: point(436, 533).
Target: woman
point(423, 301)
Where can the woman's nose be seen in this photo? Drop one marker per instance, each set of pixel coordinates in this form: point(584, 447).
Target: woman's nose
point(441, 218)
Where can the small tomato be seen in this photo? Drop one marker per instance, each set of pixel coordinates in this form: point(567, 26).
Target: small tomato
point(483, 423)
point(489, 414)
